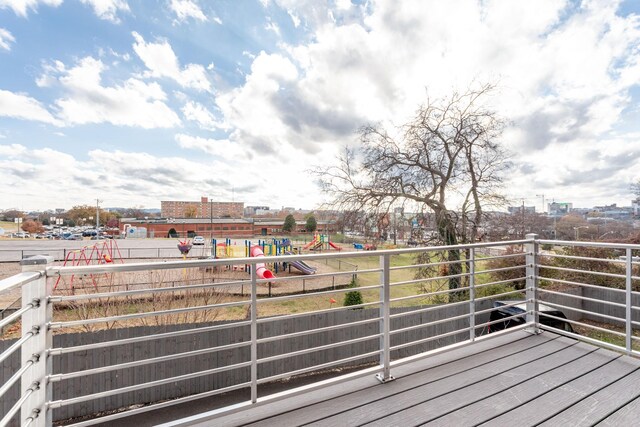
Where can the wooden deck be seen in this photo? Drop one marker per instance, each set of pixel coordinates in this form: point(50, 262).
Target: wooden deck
point(515, 379)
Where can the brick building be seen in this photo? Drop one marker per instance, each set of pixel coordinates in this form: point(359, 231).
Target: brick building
point(216, 227)
point(202, 209)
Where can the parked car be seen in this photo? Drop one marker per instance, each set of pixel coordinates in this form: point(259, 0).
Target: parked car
point(198, 240)
point(503, 312)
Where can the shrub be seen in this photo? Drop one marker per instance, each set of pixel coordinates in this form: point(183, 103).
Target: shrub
point(353, 298)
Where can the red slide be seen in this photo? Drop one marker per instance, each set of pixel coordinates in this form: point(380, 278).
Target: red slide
point(261, 269)
point(334, 246)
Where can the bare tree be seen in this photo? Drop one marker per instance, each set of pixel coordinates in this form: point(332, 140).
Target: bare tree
point(447, 152)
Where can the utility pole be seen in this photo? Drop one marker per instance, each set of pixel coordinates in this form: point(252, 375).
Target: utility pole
point(98, 214)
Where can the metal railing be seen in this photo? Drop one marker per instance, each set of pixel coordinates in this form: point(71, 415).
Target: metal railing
point(157, 346)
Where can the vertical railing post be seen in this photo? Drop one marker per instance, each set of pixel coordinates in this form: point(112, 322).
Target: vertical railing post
point(472, 294)
point(34, 350)
point(629, 264)
point(531, 261)
point(254, 335)
point(385, 322)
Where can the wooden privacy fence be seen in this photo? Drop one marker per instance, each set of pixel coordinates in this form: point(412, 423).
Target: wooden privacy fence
point(151, 348)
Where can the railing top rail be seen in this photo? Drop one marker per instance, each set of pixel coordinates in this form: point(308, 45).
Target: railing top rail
point(166, 265)
point(589, 244)
point(18, 280)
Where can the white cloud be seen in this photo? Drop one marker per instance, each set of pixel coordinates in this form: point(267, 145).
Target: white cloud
point(564, 72)
point(220, 148)
point(162, 61)
point(22, 7)
point(198, 113)
point(131, 103)
point(272, 26)
point(108, 9)
point(185, 9)
point(20, 106)
point(6, 38)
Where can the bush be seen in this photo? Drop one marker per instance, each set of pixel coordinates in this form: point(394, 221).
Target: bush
point(353, 298)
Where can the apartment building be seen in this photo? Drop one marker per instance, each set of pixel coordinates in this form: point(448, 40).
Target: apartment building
point(205, 208)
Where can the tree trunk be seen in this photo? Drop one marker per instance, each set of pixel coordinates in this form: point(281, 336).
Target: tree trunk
point(447, 231)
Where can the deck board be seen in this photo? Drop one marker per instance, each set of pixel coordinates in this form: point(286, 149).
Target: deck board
point(595, 407)
point(628, 415)
point(570, 393)
point(500, 381)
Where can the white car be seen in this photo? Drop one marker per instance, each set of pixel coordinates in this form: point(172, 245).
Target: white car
point(198, 240)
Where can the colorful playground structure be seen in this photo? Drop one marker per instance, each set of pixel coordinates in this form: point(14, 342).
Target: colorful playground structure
point(105, 252)
point(263, 248)
point(320, 242)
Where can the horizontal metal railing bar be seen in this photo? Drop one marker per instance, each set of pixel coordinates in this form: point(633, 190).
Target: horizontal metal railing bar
point(316, 330)
point(16, 407)
point(160, 359)
point(428, 279)
point(581, 298)
point(113, 392)
point(585, 258)
point(63, 350)
point(318, 348)
point(586, 325)
point(503, 294)
point(18, 280)
point(428, 264)
point(315, 276)
point(586, 285)
point(78, 297)
point(435, 322)
point(156, 406)
point(424, 340)
point(428, 294)
point(72, 323)
point(322, 275)
point(585, 243)
point(493, 322)
point(494, 257)
point(499, 282)
point(492, 309)
point(16, 345)
point(317, 367)
point(495, 270)
point(633, 322)
point(15, 377)
point(575, 270)
point(13, 316)
point(579, 310)
point(168, 265)
point(306, 313)
point(315, 294)
point(427, 309)
point(589, 340)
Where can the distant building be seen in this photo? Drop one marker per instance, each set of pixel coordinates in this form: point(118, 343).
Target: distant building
point(255, 210)
point(560, 208)
point(202, 209)
point(518, 209)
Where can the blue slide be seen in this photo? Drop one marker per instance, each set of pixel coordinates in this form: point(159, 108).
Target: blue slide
point(302, 266)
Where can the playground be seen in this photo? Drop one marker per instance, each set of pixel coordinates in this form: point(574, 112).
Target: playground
point(300, 277)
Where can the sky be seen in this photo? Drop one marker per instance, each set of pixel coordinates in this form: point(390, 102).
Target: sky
point(136, 101)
